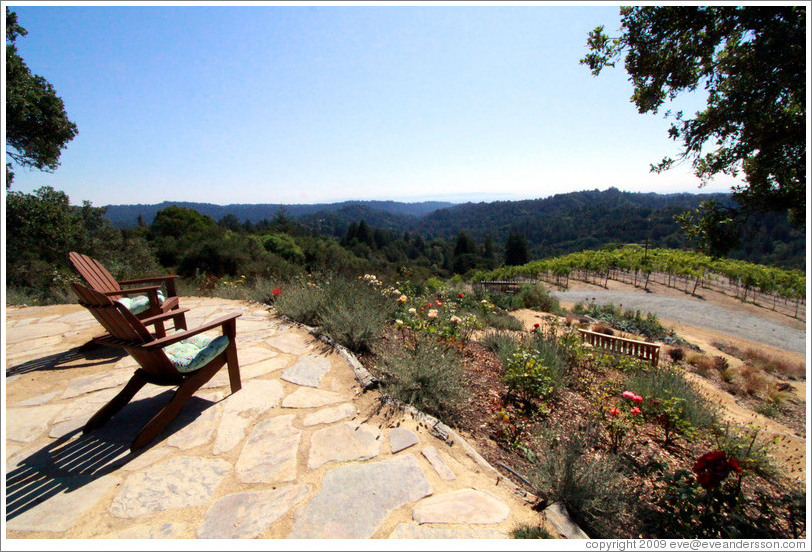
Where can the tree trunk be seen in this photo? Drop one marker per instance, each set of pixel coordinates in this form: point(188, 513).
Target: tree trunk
point(695, 286)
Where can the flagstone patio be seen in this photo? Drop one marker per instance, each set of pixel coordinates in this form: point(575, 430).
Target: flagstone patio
point(301, 452)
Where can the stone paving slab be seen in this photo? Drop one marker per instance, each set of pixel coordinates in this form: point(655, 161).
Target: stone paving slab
point(242, 409)
point(176, 483)
point(355, 499)
point(464, 506)
point(299, 452)
point(28, 423)
point(343, 443)
point(311, 398)
point(270, 452)
point(246, 515)
point(308, 371)
point(411, 531)
point(61, 511)
point(167, 530)
point(330, 415)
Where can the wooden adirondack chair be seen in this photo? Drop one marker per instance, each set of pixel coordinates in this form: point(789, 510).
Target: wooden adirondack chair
point(162, 361)
point(99, 279)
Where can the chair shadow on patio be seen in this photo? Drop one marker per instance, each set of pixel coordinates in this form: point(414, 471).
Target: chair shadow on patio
point(67, 359)
point(69, 463)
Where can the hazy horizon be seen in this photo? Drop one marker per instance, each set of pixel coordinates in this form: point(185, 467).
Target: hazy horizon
point(458, 199)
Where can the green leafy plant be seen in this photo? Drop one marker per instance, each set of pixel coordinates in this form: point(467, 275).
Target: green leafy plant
point(622, 418)
point(671, 402)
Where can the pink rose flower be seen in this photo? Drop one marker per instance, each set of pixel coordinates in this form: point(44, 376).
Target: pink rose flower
point(614, 412)
point(628, 395)
point(637, 399)
point(636, 411)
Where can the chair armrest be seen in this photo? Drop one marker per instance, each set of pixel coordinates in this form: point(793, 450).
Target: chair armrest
point(128, 291)
point(180, 336)
point(165, 316)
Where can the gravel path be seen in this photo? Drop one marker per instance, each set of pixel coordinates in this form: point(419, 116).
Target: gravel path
point(695, 312)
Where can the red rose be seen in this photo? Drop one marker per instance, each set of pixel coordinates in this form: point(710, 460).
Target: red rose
point(713, 467)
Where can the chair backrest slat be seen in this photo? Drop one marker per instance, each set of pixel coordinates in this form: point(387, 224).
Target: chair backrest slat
point(127, 328)
point(94, 272)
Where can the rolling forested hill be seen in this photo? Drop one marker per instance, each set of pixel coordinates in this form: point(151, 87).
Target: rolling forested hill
point(556, 225)
point(126, 216)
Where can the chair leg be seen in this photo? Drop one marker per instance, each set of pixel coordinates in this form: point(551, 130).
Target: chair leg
point(160, 330)
point(116, 403)
point(173, 407)
point(179, 320)
point(230, 331)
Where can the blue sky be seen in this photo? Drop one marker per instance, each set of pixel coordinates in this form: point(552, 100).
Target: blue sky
point(309, 104)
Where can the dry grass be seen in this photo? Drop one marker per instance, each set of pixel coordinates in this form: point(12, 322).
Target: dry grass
point(703, 364)
point(753, 381)
point(776, 395)
point(603, 328)
point(765, 362)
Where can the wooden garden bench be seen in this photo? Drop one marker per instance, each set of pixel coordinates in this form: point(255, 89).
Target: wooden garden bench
point(631, 347)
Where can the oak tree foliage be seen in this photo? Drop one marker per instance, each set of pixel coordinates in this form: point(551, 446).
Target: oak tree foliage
point(37, 126)
point(750, 60)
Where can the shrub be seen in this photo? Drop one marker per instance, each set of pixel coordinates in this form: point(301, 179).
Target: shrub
point(767, 363)
point(501, 342)
point(354, 313)
point(767, 409)
point(536, 370)
point(537, 297)
point(676, 353)
point(302, 302)
point(703, 364)
point(776, 395)
point(428, 377)
point(747, 446)
point(530, 532)
point(590, 487)
point(502, 321)
point(790, 370)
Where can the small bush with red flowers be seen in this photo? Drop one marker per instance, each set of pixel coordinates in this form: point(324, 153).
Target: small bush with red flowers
point(707, 502)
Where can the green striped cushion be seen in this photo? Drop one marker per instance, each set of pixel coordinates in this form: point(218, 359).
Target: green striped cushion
point(194, 353)
point(139, 303)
